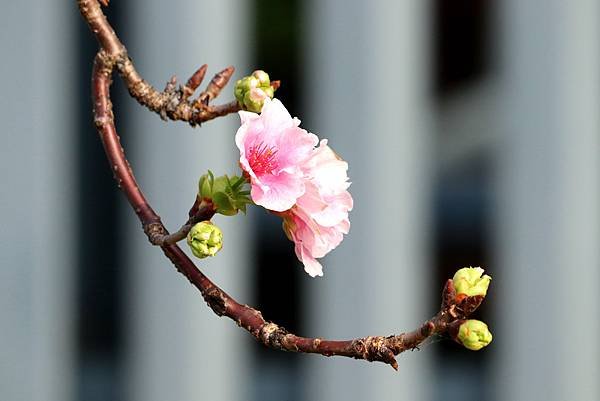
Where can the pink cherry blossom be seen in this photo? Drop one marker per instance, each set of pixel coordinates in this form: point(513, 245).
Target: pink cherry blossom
point(273, 149)
point(306, 185)
point(319, 219)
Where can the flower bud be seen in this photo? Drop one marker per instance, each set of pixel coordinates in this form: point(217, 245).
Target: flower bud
point(252, 90)
point(474, 334)
point(263, 77)
point(269, 91)
point(205, 239)
point(254, 99)
point(470, 282)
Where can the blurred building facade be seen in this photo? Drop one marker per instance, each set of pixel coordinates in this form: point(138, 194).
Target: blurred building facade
point(472, 131)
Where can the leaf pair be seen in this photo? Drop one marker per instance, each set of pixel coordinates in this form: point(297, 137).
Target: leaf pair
point(229, 194)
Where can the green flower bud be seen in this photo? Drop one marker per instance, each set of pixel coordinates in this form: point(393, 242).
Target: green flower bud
point(244, 85)
point(252, 90)
point(470, 282)
point(263, 78)
point(205, 239)
point(474, 334)
point(269, 91)
point(254, 100)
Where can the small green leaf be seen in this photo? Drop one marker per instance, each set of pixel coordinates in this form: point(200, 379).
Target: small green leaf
point(204, 187)
point(223, 202)
point(220, 184)
point(237, 182)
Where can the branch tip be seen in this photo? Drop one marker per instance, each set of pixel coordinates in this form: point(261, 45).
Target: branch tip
point(194, 82)
point(216, 84)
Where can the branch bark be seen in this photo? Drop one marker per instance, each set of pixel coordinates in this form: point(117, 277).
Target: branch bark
point(174, 102)
point(112, 55)
point(201, 211)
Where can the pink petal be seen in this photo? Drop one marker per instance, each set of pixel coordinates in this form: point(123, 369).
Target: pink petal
point(278, 193)
point(246, 116)
point(327, 211)
point(294, 146)
point(327, 170)
point(311, 265)
point(275, 117)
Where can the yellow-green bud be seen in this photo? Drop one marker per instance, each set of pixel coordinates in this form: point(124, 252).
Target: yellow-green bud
point(254, 99)
point(263, 78)
point(474, 334)
point(470, 282)
point(269, 91)
point(205, 239)
point(252, 90)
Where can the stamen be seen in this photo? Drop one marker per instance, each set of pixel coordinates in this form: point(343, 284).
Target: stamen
point(262, 159)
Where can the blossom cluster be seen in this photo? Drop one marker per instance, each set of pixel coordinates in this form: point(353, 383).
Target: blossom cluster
point(291, 176)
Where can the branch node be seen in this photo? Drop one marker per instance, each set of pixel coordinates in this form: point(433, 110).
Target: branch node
point(155, 232)
point(215, 299)
point(272, 335)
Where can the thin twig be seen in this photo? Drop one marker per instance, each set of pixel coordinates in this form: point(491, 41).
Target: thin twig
point(376, 348)
point(155, 233)
point(174, 104)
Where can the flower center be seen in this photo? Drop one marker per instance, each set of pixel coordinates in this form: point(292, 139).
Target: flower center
point(261, 159)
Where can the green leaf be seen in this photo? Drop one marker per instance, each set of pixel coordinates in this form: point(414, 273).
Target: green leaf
point(237, 182)
point(204, 187)
point(223, 202)
point(220, 184)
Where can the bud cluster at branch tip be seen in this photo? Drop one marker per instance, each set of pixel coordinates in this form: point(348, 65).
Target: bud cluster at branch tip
point(474, 334)
point(251, 91)
point(229, 195)
point(470, 282)
point(205, 239)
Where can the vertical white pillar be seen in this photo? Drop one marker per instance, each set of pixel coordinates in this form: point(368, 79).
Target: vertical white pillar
point(550, 204)
point(367, 86)
point(37, 202)
point(178, 348)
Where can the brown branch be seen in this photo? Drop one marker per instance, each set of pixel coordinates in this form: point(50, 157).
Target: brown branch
point(376, 348)
point(173, 103)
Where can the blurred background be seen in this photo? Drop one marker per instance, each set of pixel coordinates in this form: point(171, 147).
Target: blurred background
point(472, 131)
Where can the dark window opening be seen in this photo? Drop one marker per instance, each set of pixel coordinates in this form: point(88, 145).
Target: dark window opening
point(461, 42)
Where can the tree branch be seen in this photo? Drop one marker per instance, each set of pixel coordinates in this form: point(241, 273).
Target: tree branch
point(174, 102)
point(201, 211)
point(373, 348)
